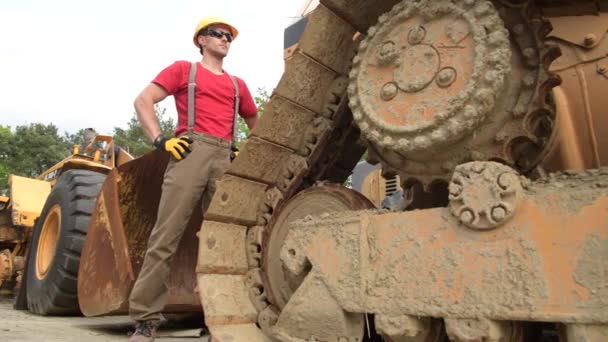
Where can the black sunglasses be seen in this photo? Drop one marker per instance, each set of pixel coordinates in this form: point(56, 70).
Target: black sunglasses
point(218, 34)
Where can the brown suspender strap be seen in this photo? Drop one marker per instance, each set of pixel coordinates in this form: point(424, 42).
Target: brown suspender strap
point(237, 102)
point(192, 95)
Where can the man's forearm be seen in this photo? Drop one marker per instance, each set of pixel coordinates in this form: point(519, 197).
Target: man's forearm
point(147, 118)
point(251, 121)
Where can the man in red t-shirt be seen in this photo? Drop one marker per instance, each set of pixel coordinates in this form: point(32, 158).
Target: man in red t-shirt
point(200, 154)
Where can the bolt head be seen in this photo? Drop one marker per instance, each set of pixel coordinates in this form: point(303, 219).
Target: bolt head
point(389, 91)
point(455, 189)
point(466, 216)
point(590, 39)
point(387, 54)
point(388, 47)
point(499, 214)
point(446, 77)
point(416, 35)
point(505, 181)
point(478, 167)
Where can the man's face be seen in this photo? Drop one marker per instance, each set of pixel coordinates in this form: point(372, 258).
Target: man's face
point(215, 41)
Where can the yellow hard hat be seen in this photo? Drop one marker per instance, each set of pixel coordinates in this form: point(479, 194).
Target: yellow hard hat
point(210, 20)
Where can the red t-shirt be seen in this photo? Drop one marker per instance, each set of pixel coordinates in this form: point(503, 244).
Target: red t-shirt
point(214, 101)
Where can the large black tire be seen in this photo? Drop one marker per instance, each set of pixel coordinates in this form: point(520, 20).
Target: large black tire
point(59, 234)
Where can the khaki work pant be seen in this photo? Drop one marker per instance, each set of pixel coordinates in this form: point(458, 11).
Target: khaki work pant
point(184, 183)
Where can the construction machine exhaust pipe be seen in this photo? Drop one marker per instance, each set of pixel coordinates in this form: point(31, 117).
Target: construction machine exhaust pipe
point(115, 245)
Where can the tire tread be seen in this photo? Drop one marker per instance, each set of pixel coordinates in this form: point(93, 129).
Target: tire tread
point(56, 294)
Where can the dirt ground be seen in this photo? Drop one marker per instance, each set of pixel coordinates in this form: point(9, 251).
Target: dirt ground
point(24, 326)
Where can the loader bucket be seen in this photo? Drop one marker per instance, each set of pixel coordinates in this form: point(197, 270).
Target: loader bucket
point(115, 245)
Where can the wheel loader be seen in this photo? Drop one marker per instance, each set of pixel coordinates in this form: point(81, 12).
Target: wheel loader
point(46, 218)
point(492, 117)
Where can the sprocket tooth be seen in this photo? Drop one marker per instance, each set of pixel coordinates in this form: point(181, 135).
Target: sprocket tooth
point(550, 53)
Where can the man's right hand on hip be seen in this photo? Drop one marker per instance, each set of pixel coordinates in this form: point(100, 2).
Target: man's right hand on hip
point(178, 147)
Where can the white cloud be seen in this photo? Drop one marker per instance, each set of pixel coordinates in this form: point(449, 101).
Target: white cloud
point(81, 63)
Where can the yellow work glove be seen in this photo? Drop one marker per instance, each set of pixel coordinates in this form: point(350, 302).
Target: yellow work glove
point(178, 147)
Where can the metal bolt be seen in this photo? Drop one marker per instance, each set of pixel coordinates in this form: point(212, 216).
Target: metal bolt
point(499, 214)
point(455, 189)
point(387, 48)
point(467, 216)
point(416, 35)
point(505, 180)
point(387, 53)
point(389, 91)
point(589, 40)
point(478, 167)
point(446, 77)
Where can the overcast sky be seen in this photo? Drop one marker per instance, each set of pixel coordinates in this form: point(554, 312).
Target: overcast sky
point(80, 63)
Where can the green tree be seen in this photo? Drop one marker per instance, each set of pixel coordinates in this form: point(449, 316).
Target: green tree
point(74, 138)
point(6, 139)
point(242, 130)
point(36, 148)
point(29, 151)
point(133, 137)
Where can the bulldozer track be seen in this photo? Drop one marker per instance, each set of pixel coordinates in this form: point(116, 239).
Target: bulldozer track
point(308, 135)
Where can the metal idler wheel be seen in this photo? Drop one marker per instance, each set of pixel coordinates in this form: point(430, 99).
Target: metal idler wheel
point(316, 201)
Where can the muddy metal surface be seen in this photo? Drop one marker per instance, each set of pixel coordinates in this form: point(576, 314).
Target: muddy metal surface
point(24, 326)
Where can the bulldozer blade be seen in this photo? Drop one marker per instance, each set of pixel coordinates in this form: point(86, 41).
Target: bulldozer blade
point(117, 237)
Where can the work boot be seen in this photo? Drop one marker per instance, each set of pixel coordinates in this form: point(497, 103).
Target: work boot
point(145, 331)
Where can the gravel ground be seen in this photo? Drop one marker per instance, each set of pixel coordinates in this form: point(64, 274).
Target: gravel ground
point(24, 326)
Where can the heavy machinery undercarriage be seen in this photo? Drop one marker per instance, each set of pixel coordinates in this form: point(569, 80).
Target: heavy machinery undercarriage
point(479, 107)
point(491, 114)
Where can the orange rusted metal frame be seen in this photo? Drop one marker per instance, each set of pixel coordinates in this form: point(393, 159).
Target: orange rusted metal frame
point(546, 263)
